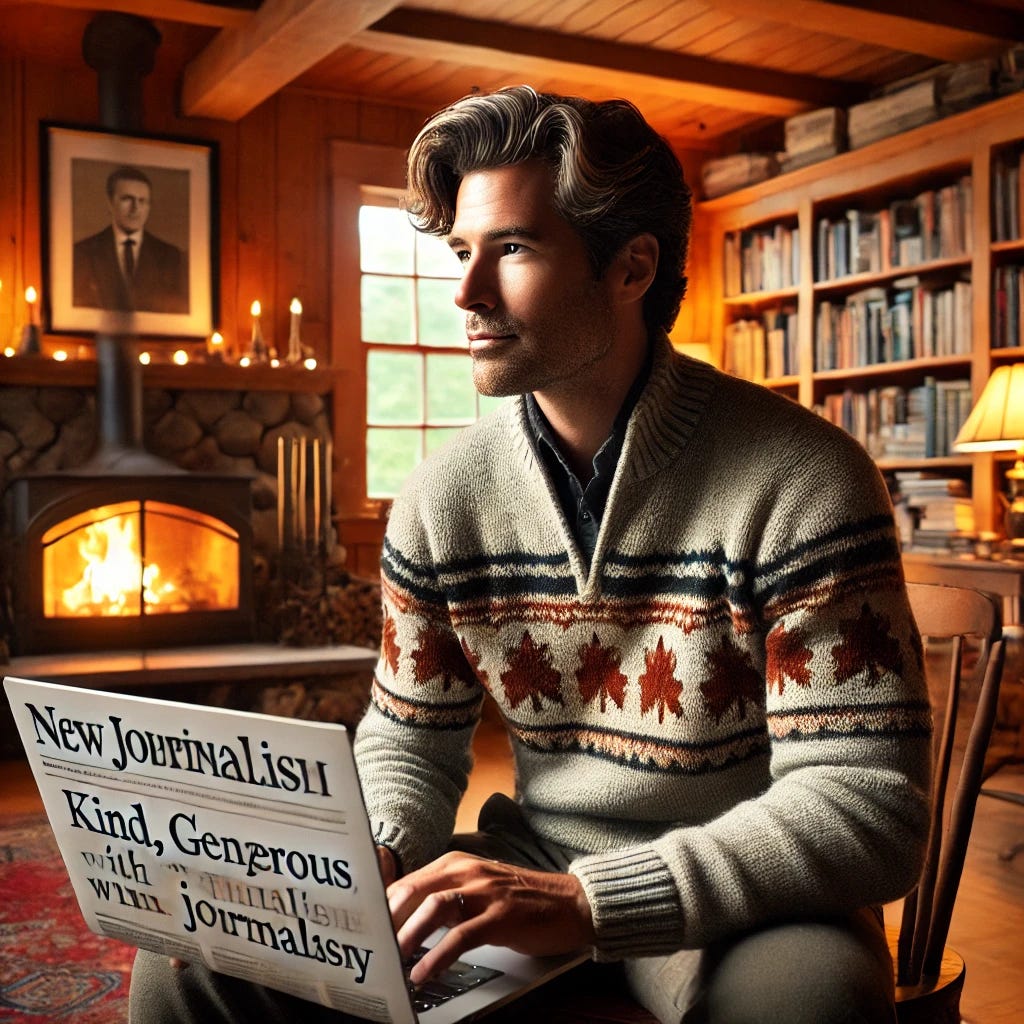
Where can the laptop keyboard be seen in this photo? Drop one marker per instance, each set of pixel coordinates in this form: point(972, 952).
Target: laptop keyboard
point(460, 977)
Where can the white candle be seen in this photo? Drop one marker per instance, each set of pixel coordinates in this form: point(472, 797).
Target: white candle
point(302, 508)
point(294, 340)
point(317, 474)
point(31, 296)
point(280, 493)
point(257, 350)
point(328, 456)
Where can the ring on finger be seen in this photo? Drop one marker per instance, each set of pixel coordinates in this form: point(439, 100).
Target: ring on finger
point(461, 901)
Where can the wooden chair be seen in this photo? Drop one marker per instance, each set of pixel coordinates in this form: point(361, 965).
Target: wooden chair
point(929, 975)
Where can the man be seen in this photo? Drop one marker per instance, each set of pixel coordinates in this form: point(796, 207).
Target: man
point(125, 267)
point(683, 593)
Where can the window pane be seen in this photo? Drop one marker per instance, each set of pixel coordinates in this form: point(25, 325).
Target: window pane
point(441, 321)
point(390, 457)
point(437, 436)
point(394, 387)
point(434, 257)
point(386, 240)
point(451, 397)
point(387, 310)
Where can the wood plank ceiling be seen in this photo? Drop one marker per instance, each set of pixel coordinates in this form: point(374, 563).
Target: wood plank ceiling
point(705, 72)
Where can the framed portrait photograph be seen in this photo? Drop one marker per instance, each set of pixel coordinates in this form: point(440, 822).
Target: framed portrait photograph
point(129, 233)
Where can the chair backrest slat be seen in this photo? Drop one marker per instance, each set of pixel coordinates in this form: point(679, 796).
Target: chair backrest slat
point(950, 614)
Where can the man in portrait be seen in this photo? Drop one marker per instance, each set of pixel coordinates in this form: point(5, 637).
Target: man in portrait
point(125, 267)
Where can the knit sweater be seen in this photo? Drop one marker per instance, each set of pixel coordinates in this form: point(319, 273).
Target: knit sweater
point(724, 718)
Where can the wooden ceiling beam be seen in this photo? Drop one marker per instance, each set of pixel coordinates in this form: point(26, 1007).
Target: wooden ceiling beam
point(535, 53)
point(946, 30)
point(191, 12)
point(241, 67)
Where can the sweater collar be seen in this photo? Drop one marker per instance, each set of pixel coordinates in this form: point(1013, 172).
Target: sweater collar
point(664, 418)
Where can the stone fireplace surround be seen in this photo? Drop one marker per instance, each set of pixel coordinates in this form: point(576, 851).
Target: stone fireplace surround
point(333, 618)
point(232, 432)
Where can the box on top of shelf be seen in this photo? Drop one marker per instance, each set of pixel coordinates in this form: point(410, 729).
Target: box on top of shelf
point(729, 173)
point(816, 129)
point(967, 84)
point(914, 105)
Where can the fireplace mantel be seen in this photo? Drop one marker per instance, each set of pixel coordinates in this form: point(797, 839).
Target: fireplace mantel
point(115, 670)
point(38, 371)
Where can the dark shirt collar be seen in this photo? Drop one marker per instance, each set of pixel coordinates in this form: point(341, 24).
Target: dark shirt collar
point(584, 507)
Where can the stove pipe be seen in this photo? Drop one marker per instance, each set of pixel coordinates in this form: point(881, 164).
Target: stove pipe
point(121, 48)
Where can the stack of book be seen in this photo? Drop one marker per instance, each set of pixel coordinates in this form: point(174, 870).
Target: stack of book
point(761, 259)
point(1008, 306)
point(1008, 196)
point(813, 136)
point(729, 173)
point(915, 320)
point(898, 111)
point(902, 423)
point(940, 508)
point(765, 348)
point(936, 224)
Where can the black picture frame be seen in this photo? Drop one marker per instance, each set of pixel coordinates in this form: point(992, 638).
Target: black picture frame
point(173, 182)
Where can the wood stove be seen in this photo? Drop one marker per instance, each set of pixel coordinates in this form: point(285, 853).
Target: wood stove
point(128, 550)
point(136, 560)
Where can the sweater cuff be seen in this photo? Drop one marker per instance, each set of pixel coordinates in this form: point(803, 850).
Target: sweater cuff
point(633, 901)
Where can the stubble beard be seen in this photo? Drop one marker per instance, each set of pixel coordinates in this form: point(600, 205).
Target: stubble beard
point(520, 365)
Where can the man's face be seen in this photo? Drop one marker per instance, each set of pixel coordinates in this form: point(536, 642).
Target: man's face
point(129, 205)
point(536, 318)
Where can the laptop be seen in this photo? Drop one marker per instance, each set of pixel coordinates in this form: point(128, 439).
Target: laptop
point(241, 840)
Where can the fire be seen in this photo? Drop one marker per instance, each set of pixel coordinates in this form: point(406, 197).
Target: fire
point(137, 558)
point(110, 583)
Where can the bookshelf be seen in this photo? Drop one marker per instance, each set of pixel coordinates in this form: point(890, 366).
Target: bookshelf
point(888, 275)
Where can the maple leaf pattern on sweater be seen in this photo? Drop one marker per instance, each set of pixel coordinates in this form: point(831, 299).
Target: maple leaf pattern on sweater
point(389, 643)
point(530, 674)
point(867, 646)
point(734, 681)
point(659, 687)
point(599, 675)
point(788, 658)
point(439, 654)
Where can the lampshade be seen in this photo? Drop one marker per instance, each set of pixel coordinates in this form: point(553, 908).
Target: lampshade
point(996, 422)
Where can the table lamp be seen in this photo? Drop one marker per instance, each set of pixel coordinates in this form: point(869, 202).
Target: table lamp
point(996, 424)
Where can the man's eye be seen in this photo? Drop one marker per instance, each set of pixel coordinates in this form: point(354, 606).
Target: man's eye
point(512, 248)
point(462, 255)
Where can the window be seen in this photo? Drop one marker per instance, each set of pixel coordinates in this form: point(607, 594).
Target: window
point(419, 384)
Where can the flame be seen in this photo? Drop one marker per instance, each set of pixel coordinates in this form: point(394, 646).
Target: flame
point(110, 583)
point(94, 563)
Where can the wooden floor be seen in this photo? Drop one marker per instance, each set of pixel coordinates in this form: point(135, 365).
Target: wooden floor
point(988, 923)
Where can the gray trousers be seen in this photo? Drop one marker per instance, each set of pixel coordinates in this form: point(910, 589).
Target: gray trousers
point(834, 971)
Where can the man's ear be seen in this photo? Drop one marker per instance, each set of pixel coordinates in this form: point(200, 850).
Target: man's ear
point(635, 267)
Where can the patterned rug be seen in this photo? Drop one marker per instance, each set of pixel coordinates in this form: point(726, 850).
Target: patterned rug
point(52, 968)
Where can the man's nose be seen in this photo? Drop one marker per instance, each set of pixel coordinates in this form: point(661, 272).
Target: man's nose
point(477, 289)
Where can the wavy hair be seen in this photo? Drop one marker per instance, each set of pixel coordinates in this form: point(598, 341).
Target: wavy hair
point(615, 177)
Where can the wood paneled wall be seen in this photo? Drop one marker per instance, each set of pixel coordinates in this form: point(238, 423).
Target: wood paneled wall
point(273, 202)
point(272, 199)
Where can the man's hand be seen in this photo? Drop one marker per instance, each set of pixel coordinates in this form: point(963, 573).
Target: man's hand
point(481, 902)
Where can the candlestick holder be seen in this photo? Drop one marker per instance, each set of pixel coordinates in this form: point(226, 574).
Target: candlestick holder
point(258, 351)
point(31, 340)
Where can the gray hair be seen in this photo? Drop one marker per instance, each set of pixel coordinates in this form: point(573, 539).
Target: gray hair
point(615, 177)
